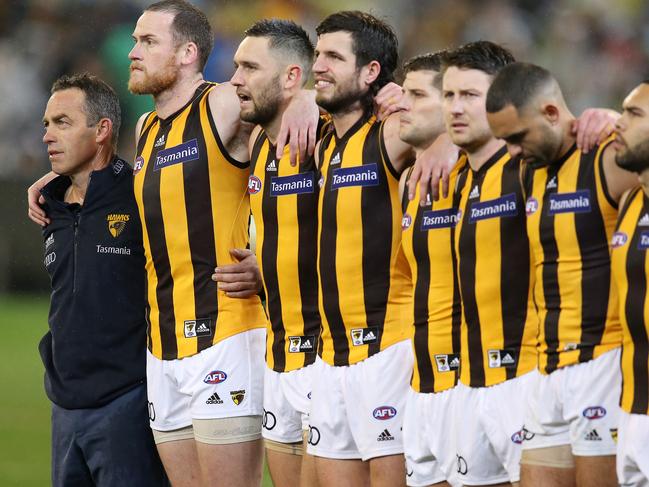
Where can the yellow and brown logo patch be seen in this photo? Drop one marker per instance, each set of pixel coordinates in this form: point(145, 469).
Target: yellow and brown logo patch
point(237, 396)
point(117, 223)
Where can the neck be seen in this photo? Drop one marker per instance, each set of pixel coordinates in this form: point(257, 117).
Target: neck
point(177, 96)
point(643, 177)
point(76, 193)
point(477, 158)
point(272, 127)
point(344, 120)
point(568, 139)
point(421, 147)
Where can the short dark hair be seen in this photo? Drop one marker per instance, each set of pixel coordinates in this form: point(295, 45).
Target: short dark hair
point(288, 37)
point(189, 25)
point(485, 56)
point(431, 61)
point(516, 85)
point(372, 40)
point(100, 99)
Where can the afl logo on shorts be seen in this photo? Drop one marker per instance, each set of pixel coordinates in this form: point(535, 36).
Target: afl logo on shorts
point(139, 164)
point(406, 221)
point(521, 436)
point(384, 412)
point(215, 377)
point(618, 239)
point(254, 185)
point(594, 412)
point(531, 206)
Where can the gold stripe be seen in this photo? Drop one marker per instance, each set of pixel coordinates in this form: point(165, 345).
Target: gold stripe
point(152, 278)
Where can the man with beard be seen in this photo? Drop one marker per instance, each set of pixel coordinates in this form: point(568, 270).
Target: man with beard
point(427, 244)
point(629, 264)
point(571, 210)
point(499, 324)
point(272, 64)
point(365, 359)
point(191, 189)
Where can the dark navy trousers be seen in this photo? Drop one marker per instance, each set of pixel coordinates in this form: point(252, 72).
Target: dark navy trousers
point(109, 446)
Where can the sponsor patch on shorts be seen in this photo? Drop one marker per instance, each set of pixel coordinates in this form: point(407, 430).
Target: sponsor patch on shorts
point(385, 436)
point(594, 412)
point(215, 377)
point(214, 399)
point(592, 435)
point(523, 435)
point(384, 412)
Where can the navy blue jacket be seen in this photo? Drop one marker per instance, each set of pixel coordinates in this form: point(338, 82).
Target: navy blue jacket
point(95, 349)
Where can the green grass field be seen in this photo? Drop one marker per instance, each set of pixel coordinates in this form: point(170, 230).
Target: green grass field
point(24, 408)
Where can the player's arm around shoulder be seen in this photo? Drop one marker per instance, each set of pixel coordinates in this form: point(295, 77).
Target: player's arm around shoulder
point(400, 154)
point(618, 180)
point(233, 132)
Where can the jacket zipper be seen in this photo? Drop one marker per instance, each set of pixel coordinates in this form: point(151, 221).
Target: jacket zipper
point(77, 217)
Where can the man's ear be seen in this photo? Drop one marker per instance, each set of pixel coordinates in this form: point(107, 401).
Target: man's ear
point(370, 72)
point(104, 131)
point(293, 77)
point(188, 53)
point(550, 112)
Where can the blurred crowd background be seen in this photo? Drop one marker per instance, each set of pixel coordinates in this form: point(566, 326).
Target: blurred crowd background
point(598, 50)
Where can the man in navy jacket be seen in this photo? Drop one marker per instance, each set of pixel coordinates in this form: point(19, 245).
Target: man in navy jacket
point(94, 352)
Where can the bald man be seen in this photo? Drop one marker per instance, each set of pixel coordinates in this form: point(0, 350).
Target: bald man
point(571, 207)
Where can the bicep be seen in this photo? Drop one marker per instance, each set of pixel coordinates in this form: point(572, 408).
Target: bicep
point(618, 180)
point(401, 155)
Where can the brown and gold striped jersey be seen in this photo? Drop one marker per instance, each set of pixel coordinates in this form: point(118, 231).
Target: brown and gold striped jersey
point(499, 322)
point(630, 266)
point(570, 220)
point(194, 207)
point(427, 242)
point(284, 202)
point(364, 283)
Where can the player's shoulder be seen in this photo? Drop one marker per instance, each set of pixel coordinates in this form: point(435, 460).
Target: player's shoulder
point(139, 126)
point(223, 96)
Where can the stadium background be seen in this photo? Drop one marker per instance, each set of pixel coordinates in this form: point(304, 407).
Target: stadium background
point(598, 52)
